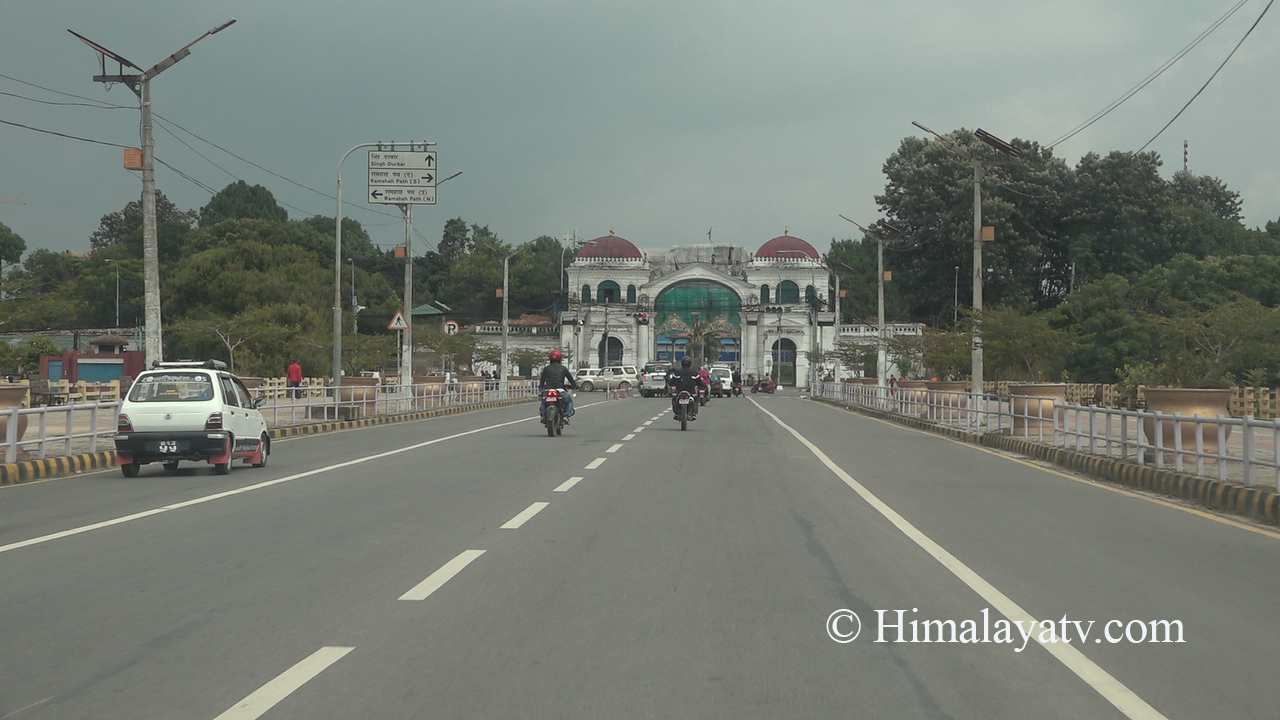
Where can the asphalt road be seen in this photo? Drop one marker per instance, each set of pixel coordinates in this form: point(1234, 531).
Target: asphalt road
point(469, 566)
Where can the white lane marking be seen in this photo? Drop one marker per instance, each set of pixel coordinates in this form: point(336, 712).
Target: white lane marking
point(640, 429)
point(247, 488)
point(564, 486)
point(632, 436)
point(423, 590)
point(595, 463)
point(524, 516)
point(267, 696)
point(614, 448)
point(38, 702)
point(1111, 689)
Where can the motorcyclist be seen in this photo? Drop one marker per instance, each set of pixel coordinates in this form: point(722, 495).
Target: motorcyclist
point(556, 376)
point(737, 378)
point(684, 379)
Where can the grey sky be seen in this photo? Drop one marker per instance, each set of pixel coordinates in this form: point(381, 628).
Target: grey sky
point(659, 119)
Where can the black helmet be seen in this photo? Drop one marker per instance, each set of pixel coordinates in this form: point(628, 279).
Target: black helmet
point(686, 362)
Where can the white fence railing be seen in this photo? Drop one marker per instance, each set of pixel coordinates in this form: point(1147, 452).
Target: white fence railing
point(58, 430)
point(1239, 450)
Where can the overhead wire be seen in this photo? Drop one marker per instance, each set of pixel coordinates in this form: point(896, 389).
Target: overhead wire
point(1211, 77)
point(1150, 78)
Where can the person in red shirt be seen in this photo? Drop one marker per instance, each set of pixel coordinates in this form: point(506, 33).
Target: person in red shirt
point(295, 378)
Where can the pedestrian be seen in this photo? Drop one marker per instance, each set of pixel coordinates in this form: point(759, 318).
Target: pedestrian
point(893, 384)
point(294, 375)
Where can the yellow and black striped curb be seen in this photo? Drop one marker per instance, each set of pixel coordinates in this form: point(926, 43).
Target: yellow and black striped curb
point(1234, 498)
point(28, 470)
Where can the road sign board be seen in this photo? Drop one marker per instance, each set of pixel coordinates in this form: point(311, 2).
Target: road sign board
point(402, 178)
point(397, 322)
point(402, 195)
point(451, 327)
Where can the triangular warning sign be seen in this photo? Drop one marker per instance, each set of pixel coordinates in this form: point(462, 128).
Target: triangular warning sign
point(397, 322)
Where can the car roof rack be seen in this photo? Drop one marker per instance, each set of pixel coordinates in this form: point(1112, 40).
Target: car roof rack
point(207, 364)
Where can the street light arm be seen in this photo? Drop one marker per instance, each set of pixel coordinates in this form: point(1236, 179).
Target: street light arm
point(950, 144)
point(184, 51)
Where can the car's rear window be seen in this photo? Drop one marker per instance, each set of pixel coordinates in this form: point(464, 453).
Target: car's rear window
point(175, 386)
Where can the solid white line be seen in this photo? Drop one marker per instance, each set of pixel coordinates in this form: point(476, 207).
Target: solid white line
point(614, 448)
point(247, 488)
point(423, 590)
point(1115, 692)
point(524, 516)
point(278, 689)
point(632, 436)
point(595, 463)
point(564, 486)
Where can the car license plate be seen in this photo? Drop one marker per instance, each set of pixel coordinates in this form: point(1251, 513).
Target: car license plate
point(167, 446)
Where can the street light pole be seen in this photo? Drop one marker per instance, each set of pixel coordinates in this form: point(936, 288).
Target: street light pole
point(882, 353)
point(140, 84)
point(979, 172)
point(506, 292)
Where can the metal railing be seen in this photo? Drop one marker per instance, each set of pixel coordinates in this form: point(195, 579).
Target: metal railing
point(1230, 449)
point(59, 430)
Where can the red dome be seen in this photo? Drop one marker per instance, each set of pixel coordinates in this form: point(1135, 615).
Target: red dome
point(786, 247)
point(610, 247)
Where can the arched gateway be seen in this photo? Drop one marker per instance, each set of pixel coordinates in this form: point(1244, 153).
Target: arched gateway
point(703, 301)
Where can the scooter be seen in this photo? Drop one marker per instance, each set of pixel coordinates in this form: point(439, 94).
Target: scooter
point(765, 386)
point(704, 395)
point(737, 390)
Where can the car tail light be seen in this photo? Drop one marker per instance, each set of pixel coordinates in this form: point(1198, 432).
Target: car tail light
point(123, 424)
point(214, 422)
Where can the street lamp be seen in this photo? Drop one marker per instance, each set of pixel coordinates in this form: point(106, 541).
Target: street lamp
point(506, 265)
point(140, 84)
point(117, 267)
point(882, 358)
point(980, 169)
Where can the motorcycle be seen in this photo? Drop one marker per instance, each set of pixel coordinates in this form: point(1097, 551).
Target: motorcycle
point(704, 395)
point(554, 418)
point(765, 386)
point(737, 390)
point(684, 411)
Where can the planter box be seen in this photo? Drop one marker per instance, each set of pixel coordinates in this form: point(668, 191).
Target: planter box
point(1206, 402)
point(1033, 407)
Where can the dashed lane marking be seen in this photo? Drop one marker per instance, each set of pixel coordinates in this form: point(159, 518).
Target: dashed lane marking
point(269, 695)
point(595, 463)
point(423, 590)
point(564, 486)
point(515, 522)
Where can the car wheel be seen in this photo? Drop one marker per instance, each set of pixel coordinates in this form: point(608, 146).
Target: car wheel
point(130, 470)
point(624, 385)
point(225, 468)
point(264, 446)
point(171, 466)
point(588, 386)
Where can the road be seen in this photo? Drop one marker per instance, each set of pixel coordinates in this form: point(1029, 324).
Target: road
point(469, 566)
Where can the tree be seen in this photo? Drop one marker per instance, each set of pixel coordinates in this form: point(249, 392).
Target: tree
point(124, 228)
point(239, 200)
point(11, 246)
point(1025, 346)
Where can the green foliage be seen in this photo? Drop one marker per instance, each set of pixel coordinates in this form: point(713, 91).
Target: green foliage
point(1025, 346)
point(240, 201)
point(11, 245)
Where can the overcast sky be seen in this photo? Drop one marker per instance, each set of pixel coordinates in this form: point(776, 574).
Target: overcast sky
point(660, 119)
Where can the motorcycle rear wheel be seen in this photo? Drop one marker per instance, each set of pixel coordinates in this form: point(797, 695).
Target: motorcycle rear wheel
point(553, 420)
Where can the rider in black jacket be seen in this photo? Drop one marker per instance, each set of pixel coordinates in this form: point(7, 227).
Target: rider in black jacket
point(555, 375)
point(684, 379)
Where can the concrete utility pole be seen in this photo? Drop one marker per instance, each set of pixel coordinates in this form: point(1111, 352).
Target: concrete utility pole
point(140, 84)
point(882, 353)
point(406, 352)
point(979, 172)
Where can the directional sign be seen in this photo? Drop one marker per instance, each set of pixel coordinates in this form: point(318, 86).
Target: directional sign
point(402, 195)
point(402, 178)
point(397, 322)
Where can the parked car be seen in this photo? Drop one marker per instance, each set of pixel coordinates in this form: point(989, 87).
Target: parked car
point(193, 411)
point(653, 379)
point(613, 377)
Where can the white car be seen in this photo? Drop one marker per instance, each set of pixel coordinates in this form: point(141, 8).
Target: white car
point(721, 380)
point(193, 411)
point(613, 377)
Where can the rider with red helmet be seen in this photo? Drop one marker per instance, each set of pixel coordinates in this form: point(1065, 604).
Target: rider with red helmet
point(556, 375)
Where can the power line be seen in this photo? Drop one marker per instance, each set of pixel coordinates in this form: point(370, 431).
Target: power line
point(63, 135)
point(1150, 78)
point(1211, 77)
